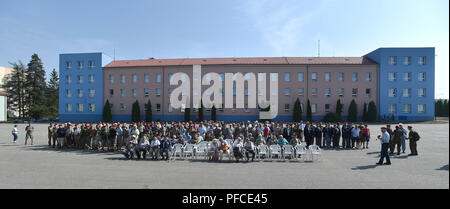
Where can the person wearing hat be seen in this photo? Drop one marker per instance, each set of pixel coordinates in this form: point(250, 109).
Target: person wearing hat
point(237, 149)
point(391, 133)
point(413, 137)
point(61, 133)
point(396, 140)
point(249, 149)
point(384, 140)
point(29, 133)
point(403, 138)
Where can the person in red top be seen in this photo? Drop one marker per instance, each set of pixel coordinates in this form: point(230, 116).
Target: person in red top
point(266, 131)
point(366, 136)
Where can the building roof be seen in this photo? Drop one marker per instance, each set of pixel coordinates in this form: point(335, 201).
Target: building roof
point(3, 93)
point(241, 61)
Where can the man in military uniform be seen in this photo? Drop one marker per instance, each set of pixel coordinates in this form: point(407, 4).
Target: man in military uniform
point(29, 133)
point(50, 134)
point(413, 137)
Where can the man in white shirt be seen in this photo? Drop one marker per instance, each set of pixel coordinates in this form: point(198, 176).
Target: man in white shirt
point(142, 147)
point(384, 140)
point(154, 148)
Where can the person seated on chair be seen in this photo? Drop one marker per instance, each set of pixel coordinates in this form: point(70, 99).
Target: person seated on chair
point(142, 146)
point(130, 146)
point(223, 146)
point(282, 141)
point(237, 149)
point(260, 140)
point(213, 152)
point(154, 148)
point(166, 148)
point(249, 148)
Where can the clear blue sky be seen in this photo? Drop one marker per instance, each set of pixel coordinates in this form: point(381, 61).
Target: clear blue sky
point(227, 28)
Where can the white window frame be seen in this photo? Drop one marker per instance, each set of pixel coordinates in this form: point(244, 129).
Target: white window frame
point(393, 77)
point(392, 108)
point(68, 107)
point(406, 110)
point(421, 76)
point(407, 76)
point(406, 92)
point(423, 108)
point(300, 77)
point(327, 77)
point(392, 92)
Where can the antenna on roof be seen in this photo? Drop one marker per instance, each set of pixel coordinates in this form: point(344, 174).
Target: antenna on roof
point(318, 49)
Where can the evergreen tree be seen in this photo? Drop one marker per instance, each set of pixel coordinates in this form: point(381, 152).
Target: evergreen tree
point(296, 117)
point(308, 112)
point(148, 112)
point(52, 95)
point(107, 114)
point(213, 113)
point(338, 110)
point(372, 112)
point(135, 112)
point(16, 88)
point(352, 112)
point(445, 108)
point(200, 111)
point(300, 112)
point(364, 116)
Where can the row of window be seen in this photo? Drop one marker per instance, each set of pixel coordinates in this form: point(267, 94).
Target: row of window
point(91, 64)
point(421, 60)
point(392, 108)
point(80, 107)
point(91, 79)
point(392, 76)
point(392, 92)
point(80, 93)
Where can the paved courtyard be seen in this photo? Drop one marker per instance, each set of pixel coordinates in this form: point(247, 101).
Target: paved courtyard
point(39, 166)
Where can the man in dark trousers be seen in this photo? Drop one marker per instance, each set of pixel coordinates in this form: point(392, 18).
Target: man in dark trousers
point(318, 134)
point(391, 133)
point(346, 135)
point(396, 140)
point(327, 133)
point(309, 134)
point(384, 140)
point(413, 137)
point(336, 136)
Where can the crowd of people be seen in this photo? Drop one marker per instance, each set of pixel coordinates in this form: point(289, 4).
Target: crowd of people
point(157, 138)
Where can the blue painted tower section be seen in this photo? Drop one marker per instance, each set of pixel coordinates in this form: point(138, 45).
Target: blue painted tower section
point(80, 87)
point(400, 63)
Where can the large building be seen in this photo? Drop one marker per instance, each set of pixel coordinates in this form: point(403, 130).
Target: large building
point(321, 80)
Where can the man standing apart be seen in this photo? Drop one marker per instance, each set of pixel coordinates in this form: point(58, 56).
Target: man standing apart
point(403, 138)
point(413, 137)
point(50, 134)
point(384, 140)
point(29, 133)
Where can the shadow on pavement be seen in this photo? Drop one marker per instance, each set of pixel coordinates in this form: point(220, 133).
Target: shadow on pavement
point(371, 153)
point(364, 167)
point(443, 168)
point(78, 151)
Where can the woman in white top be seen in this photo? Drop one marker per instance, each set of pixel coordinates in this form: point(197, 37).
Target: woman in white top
point(214, 150)
point(237, 149)
point(15, 133)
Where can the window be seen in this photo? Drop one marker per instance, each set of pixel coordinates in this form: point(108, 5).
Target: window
point(80, 107)
point(158, 107)
point(122, 78)
point(327, 92)
point(146, 92)
point(392, 92)
point(392, 76)
point(158, 92)
point(421, 92)
point(80, 79)
point(170, 91)
point(422, 60)
point(68, 79)
point(122, 107)
point(341, 92)
point(368, 77)
point(287, 77)
point(300, 77)
point(91, 64)
point(313, 108)
point(286, 107)
point(327, 77)
point(183, 108)
point(300, 91)
point(91, 93)
point(122, 92)
point(80, 65)
point(134, 93)
point(392, 108)
point(407, 60)
point(392, 60)
point(134, 78)
point(169, 109)
point(158, 78)
point(314, 92)
point(421, 108)
point(245, 108)
point(406, 108)
point(314, 77)
point(111, 93)
point(327, 108)
point(341, 77)
point(274, 91)
point(274, 77)
point(68, 107)
point(368, 93)
point(222, 77)
point(406, 92)
point(407, 76)
point(80, 93)
point(91, 107)
point(354, 92)
point(91, 79)
point(354, 77)
point(421, 76)
point(245, 92)
point(287, 91)
point(146, 78)
point(68, 65)
point(170, 77)
point(111, 79)
point(234, 91)
point(68, 93)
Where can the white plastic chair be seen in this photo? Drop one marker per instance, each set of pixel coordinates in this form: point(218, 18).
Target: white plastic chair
point(300, 150)
point(288, 150)
point(315, 150)
point(202, 149)
point(177, 148)
point(229, 141)
point(189, 150)
point(274, 149)
point(262, 150)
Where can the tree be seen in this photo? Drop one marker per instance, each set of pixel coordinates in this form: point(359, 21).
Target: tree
point(330, 117)
point(213, 113)
point(148, 112)
point(107, 114)
point(52, 94)
point(135, 112)
point(352, 112)
point(338, 110)
point(372, 112)
point(16, 88)
point(296, 117)
point(38, 111)
point(200, 111)
point(35, 82)
point(364, 116)
point(308, 112)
